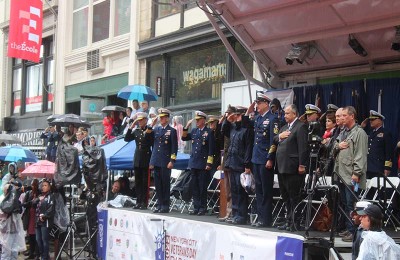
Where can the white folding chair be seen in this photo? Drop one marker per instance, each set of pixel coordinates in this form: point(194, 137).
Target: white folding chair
point(213, 192)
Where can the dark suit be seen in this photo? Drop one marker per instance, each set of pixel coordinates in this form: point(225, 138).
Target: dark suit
point(202, 155)
point(291, 153)
point(141, 161)
point(164, 151)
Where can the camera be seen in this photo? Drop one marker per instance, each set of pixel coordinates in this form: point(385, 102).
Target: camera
point(314, 140)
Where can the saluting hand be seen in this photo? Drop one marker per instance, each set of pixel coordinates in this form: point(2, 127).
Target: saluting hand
point(155, 120)
point(189, 123)
point(251, 108)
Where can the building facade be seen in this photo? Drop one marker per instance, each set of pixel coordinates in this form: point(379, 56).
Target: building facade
point(93, 48)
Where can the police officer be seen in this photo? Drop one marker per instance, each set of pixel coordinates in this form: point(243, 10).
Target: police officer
point(141, 158)
point(52, 138)
point(201, 160)
point(163, 157)
point(264, 132)
point(238, 160)
point(379, 158)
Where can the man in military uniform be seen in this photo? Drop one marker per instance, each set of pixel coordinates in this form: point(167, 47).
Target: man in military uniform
point(201, 160)
point(380, 148)
point(238, 160)
point(52, 138)
point(264, 132)
point(227, 174)
point(163, 157)
point(141, 158)
point(312, 114)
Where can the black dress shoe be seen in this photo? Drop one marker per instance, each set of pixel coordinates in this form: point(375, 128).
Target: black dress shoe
point(194, 212)
point(164, 211)
point(284, 227)
point(201, 213)
point(137, 206)
point(143, 207)
point(156, 211)
point(236, 222)
point(260, 224)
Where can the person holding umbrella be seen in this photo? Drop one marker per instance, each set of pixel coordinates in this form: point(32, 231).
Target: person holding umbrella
point(52, 138)
point(141, 158)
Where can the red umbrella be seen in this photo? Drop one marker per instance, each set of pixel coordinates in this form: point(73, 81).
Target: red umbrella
point(41, 169)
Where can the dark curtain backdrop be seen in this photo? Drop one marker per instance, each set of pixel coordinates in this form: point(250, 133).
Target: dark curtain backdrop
point(362, 94)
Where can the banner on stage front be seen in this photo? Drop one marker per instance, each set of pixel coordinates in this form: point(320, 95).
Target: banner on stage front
point(26, 24)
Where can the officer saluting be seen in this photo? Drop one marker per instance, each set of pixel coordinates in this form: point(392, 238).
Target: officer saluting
point(379, 146)
point(163, 157)
point(201, 160)
point(264, 132)
point(141, 158)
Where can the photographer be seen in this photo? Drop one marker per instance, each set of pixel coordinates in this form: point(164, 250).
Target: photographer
point(52, 138)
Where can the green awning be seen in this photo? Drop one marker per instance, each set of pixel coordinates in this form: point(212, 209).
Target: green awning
point(100, 87)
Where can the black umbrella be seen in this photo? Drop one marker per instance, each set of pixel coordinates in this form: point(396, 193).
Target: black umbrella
point(113, 108)
point(52, 117)
point(68, 119)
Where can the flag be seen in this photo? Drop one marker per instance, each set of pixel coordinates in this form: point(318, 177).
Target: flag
point(26, 24)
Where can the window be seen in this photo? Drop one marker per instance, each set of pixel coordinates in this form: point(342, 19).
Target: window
point(122, 17)
point(32, 82)
point(165, 8)
point(101, 21)
point(100, 11)
point(198, 76)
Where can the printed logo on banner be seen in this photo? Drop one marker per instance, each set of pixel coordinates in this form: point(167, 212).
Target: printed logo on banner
point(26, 24)
point(110, 242)
point(288, 248)
point(159, 241)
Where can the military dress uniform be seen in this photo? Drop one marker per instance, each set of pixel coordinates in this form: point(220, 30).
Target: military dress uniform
point(315, 126)
point(202, 155)
point(265, 128)
point(237, 158)
point(141, 160)
point(164, 151)
point(379, 149)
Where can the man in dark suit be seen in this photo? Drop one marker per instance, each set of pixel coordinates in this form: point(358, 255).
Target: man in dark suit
point(163, 157)
point(201, 160)
point(142, 156)
point(291, 158)
point(52, 137)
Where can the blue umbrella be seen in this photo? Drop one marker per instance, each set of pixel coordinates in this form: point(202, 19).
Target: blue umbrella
point(16, 153)
point(139, 92)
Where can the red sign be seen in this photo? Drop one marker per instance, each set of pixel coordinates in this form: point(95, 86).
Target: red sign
point(26, 23)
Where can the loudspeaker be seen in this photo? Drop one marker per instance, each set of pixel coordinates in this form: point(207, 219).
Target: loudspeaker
point(9, 124)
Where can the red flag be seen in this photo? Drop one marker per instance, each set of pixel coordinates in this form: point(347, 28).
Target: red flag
point(26, 24)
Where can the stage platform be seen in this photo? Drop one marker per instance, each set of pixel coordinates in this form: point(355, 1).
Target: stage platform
point(141, 234)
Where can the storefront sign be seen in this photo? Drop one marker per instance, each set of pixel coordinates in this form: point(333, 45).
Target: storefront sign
point(91, 107)
point(205, 73)
point(158, 86)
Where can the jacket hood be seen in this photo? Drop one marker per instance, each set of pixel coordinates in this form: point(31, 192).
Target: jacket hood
point(15, 167)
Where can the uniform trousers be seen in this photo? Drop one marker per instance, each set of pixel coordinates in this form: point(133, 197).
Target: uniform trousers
point(239, 198)
point(162, 181)
point(264, 179)
point(199, 188)
point(141, 185)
